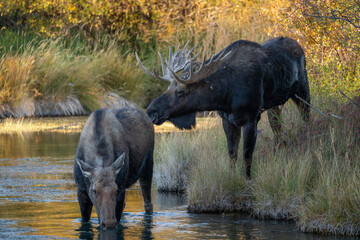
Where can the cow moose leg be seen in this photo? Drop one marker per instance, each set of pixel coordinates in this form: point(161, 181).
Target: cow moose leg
point(250, 134)
point(85, 205)
point(120, 203)
point(233, 134)
point(145, 184)
point(274, 115)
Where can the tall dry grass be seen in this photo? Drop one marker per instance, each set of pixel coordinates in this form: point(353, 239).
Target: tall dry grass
point(174, 160)
point(314, 179)
point(197, 162)
point(47, 79)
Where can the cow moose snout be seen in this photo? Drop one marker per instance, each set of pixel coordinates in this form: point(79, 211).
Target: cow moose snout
point(108, 224)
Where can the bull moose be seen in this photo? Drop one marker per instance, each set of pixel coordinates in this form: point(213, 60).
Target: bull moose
point(240, 82)
point(114, 151)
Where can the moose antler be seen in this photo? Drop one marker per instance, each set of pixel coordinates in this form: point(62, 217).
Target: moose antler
point(176, 62)
point(205, 69)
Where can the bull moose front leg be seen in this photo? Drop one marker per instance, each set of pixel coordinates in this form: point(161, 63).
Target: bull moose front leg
point(250, 134)
point(233, 134)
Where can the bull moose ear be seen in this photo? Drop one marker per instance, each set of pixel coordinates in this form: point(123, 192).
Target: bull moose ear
point(85, 168)
point(117, 165)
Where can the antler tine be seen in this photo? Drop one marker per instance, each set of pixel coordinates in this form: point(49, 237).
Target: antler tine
point(202, 62)
point(163, 67)
point(190, 69)
point(178, 60)
point(221, 54)
point(194, 57)
point(154, 74)
point(186, 44)
point(170, 53)
point(211, 59)
point(191, 50)
point(174, 75)
point(205, 70)
point(159, 77)
point(143, 67)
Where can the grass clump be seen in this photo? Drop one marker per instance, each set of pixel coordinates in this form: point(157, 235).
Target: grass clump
point(333, 204)
point(313, 179)
point(281, 184)
point(214, 185)
point(175, 157)
point(197, 162)
point(177, 154)
point(48, 79)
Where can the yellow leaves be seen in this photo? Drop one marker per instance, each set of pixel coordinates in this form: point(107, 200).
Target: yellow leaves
point(71, 8)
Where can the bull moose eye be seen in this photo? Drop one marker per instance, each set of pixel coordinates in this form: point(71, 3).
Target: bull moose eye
point(180, 93)
point(95, 192)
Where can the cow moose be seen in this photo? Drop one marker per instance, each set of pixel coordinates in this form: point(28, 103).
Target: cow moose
point(114, 151)
point(240, 82)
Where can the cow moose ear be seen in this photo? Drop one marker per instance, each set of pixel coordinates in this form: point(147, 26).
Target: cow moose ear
point(117, 165)
point(85, 168)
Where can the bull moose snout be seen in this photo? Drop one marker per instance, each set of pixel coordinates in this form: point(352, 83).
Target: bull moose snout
point(154, 116)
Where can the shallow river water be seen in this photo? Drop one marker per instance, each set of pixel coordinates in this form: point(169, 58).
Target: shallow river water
point(38, 201)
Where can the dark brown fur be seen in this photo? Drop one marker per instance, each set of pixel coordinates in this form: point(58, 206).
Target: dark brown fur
point(253, 79)
point(114, 151)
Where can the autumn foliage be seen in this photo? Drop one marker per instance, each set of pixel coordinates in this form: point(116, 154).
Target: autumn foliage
point(328, 30)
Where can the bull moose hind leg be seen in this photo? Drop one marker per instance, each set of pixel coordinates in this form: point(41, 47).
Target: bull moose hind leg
point(146, 182)
point(304, 108)
point(233, 134)
point(250, 134)
point(85, 205)
point(274, 115)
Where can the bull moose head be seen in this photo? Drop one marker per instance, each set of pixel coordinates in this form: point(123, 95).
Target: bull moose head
point(103, 189)
point(187, 93)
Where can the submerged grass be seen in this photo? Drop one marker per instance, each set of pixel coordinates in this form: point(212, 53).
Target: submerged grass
point(314, 179)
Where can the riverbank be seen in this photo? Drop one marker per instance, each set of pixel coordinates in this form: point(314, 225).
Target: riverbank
point(313, 180)
point(74, 125)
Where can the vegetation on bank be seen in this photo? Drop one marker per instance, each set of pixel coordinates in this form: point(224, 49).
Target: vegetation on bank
point(51, 124)
point(72, 57)
point(47, 79)
point(314, 179)
point(74, 125)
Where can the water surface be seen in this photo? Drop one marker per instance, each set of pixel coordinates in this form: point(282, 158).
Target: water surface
point(38, 201)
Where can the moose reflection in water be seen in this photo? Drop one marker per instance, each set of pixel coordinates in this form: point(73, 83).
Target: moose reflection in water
point(115, 150)
point(240, 82)
point(88, 231)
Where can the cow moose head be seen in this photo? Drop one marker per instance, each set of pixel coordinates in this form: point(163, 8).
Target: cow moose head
point(103, 189)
